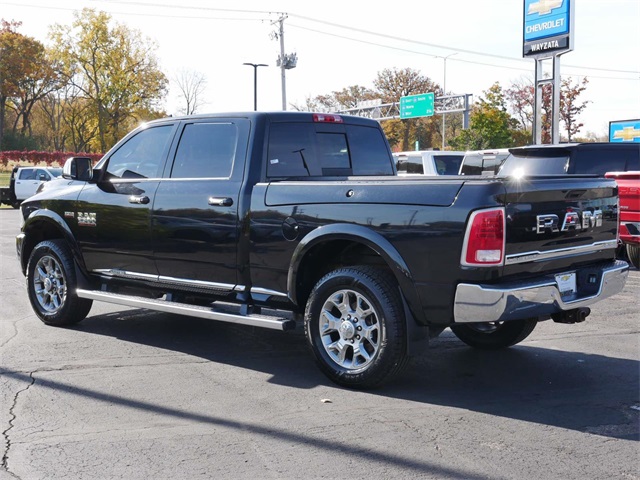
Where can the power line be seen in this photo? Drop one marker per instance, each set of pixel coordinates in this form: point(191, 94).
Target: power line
point(336, 25)
point(157, 15)
point(439, 56)
point(393, 37)
point(367, 32)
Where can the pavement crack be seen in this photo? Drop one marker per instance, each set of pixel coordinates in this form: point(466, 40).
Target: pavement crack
point(12, 419)
point(14, 324)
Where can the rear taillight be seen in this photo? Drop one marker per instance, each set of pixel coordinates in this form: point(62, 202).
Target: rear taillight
point(484, 239)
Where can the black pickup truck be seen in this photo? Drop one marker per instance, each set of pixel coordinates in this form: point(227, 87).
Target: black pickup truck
point(277, 219)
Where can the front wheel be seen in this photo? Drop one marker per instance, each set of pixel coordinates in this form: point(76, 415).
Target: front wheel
point(355, 327)
point(51, 284)
point(633, 253)
point(494, 335)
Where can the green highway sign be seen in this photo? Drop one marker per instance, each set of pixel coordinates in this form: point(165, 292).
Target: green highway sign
point(413, 106)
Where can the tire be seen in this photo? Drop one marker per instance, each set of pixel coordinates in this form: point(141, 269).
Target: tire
point(494, 335)
point(633, 253)
point(51, 284)
point(16, 204)
point(355, 327)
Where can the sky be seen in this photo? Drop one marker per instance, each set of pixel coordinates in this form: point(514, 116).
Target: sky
point(340, 43)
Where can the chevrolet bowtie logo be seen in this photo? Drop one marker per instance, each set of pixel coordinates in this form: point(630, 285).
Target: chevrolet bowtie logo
point(544, 7)
point(627, 134)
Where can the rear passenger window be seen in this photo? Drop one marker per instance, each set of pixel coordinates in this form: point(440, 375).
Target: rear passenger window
point(206, 150)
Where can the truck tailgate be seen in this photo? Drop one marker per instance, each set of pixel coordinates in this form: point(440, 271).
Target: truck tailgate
point(556, 223)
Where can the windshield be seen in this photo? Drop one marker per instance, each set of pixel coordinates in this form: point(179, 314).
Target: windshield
point(524, 165)
point(56, 172)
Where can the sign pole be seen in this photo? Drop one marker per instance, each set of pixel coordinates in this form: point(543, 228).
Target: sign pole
point(548, 27)
point(555, 125)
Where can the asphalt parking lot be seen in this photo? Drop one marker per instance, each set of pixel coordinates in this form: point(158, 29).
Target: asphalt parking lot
point(135, 394)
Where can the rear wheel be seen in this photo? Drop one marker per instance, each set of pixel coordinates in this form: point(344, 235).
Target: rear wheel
point(494, 335)
point(633, 253)
point(51, 284)
point(355, 327)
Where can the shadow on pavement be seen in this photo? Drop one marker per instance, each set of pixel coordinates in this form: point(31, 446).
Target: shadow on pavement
point(577, 391)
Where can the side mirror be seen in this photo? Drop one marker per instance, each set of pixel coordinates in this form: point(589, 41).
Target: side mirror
point(78, 168)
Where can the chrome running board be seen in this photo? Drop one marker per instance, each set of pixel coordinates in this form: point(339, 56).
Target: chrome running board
point(225, 313)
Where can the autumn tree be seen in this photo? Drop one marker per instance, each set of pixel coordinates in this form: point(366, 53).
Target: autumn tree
point(391, 84)
point(345, 99)
point(490, 125)
point(191, 86)
point(310, 104)
point(41, 80)
point(570, 106)
point(114, 68)
point(67, 119)
point(521, 98)
point(26, 76)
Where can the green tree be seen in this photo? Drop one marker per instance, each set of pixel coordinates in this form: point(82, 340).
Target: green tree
point(114, 68)
point(490, 125)
point(391, 84)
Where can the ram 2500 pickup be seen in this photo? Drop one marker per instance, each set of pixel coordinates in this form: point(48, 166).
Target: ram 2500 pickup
point(276, 219)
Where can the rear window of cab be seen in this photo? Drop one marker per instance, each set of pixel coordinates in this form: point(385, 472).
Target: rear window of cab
point(310, 150)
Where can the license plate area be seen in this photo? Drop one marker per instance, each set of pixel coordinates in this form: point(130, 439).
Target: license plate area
point(567, 285)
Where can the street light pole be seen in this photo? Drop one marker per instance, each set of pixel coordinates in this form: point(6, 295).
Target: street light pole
point(444, 92)
point(255, 82)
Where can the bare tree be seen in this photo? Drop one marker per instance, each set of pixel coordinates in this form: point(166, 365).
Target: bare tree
point(191, 86)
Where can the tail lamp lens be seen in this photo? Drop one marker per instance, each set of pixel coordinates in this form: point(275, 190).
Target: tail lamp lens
point(484, 239)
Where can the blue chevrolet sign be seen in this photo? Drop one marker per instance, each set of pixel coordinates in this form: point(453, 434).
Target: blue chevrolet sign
point(624, 131)
point(545, 18)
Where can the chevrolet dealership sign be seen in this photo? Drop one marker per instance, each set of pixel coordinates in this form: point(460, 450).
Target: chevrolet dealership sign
point(548, 27)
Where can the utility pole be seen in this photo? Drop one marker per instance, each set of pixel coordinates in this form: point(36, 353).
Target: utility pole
point(282, 69)
point(286, 61)
point(444, 93)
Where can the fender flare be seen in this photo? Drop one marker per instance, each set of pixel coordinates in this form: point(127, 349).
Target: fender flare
point(373, 240)
point(52, 218)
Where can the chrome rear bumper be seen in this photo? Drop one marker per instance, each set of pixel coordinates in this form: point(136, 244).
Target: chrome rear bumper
point(490, 303)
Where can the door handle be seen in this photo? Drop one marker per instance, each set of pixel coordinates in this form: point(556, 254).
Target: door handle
point(221, 201)
point(140, 199)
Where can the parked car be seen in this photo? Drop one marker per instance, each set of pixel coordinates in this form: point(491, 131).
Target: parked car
point(428, 162)
point(573, 159)
point(483, 162)
point(629, 194)
point(25, 181)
